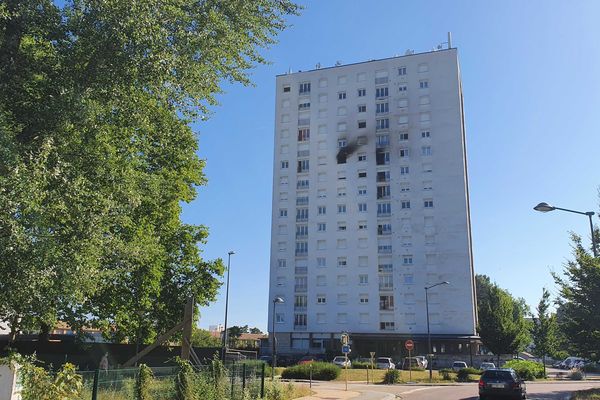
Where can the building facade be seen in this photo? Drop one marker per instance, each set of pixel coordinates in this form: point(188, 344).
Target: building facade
point(370, 205)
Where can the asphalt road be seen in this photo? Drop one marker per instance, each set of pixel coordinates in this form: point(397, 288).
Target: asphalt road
point(467, 391)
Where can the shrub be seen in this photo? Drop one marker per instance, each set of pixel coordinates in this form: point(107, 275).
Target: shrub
point(576, 376)
point(39, 384)
point(463, 374)
point(528, 370)
point(360, 365)
point(143, 382)
point(391, 376)
point(184, 380)
point(446, 374)
point(591, 367)
point(321, 371)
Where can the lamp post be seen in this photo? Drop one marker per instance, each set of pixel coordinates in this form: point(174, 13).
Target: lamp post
point(545, 207)
point(224, 344)
point(276, 300)
point(428, 331)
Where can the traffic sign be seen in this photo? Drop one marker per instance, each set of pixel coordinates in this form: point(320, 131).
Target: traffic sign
point(346, 349)
point(372, 353)
point(409, 345)
point(345, 339)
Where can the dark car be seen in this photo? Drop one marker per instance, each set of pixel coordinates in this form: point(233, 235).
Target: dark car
point(501, 383)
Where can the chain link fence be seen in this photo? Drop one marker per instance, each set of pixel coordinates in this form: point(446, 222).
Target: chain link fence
point(232, 380)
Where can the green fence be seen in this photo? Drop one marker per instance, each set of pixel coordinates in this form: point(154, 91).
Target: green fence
point(119, 384)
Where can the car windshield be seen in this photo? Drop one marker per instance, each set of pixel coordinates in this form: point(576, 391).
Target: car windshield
point(383, 360)
point(495, 374)
point(339, 358)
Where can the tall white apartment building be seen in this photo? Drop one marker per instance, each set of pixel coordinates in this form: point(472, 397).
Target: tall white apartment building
point(370, 205)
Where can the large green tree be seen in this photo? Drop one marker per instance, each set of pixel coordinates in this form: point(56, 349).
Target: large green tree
point(544, 329)
point(97, 155)
point(579, 302)
point(502, 325)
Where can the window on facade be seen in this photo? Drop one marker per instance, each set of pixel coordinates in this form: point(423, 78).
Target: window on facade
point(428, 203)
point(285, 164)
point(341, 208)
point(363, 298)
point(382, 108)
point(404, 170)
point(382, 140)
point(342, 111)
point(341, 192)
point(362, 174)
point(304, 106)
point(386, 303)
point(387, 326)
point(425, 134)
point(303, 166)
point(301, 231)
point(321, 262)
point(299, 320)
point(323, 98)
point(382, 124)
point(362, 207)
point(405, 204)
point(341, 243)
point(362, 226)
point(304, 88)
point(341, 226)
point(341, 95)
point(300, 301)
point(302, 214)
point(283, 212)
point(385, 268)
point(279, 318)
point(382, 157)
point(362, 124)
point(321, 227)
point(362, 190)
point(426, 150)
point(384, 209)
point(424, 84)
point(301, 248)
point(404, 187)
point(362, 92)
point(402, 88)
point(302, 184)
point(321, 210)
point(363, 279)
point(383, 176)
point(407, 260)
point(286, 88)
point(402, 71)
point(384, 229)
point(321, 299)
point(342, 143)
point(381, 92)
point(362, 108)
point(403, 136)
point(383, 192)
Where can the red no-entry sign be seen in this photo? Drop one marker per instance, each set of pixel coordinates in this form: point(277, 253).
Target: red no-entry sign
point(409, 345)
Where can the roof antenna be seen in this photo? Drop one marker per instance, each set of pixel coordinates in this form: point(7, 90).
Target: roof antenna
point(449, 40)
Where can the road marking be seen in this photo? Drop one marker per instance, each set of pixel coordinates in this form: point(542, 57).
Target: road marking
point(400, 395)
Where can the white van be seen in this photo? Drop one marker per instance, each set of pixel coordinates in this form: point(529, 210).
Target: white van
point(570, 362)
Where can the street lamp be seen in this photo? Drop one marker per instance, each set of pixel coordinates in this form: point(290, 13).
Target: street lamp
point(276, 300)
point(224, 345)
point(428, 332)
point(545, 207)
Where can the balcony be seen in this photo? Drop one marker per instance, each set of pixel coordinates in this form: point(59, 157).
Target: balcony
point(301, 270)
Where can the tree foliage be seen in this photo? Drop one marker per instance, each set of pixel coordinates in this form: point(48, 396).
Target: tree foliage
point(96, 154)
point(544, 329)
point(502, 325)
point(579, 302)
point(203, 338)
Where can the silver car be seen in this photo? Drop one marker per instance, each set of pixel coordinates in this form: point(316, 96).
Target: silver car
point(385, 363)
point(342, 361)
point(487, 365)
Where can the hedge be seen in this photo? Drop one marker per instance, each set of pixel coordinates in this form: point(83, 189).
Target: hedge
point(527, 370)
point(321, 371)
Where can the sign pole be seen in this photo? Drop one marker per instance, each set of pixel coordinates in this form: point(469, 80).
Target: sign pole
point(409, 366)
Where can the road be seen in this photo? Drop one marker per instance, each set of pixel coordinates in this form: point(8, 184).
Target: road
point(467, 391)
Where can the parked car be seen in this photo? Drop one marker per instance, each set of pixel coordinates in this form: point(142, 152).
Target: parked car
point(423, 361)
point(385, 363)
point(501, 382)
point(458, 365)
point(310, 358)
point(266, 359)
point(570, 362)
point(342, 361)
point(410, 363)
point(487, 365)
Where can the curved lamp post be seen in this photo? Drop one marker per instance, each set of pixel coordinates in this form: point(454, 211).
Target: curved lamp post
point(224, 344)
point(428, 331)
point(545, 207)
point(276, 300)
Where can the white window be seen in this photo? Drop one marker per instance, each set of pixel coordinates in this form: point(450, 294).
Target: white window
point(342, 95)
point(404, 187)
point(342, 143)
point(341, 127)
point(283, 196)
point(285, 103)
point(362, 207)
point(304, 88)
point(321, 318)
point(341, 175)
point(362, 108)
point(279, 318)
point(363, 318)
point(342, 318)
point(282, 263)
point(280, 281)
point(284, 133)
point(286, 88)
point(403, 152)
point(363, 298)
point(321, 244)
point(362, 156)
point(321, 299)
point(285, 149)
point(282, 229)
point(402, 71)
point(321, 210)
point(403, 136)
point(362, 124)
point(381, 92)
point(322, 176)
point(342, 111)
point(403, 103)
point(342, 80)
point(322, 193)
point(283, 212)
point(425, 118)
point(424, 84)
point(424, 100)
point(385, 268)
point(323, 98)
point(341, 208)
point(362, 226)
point(342, 298)
point(285, 164)
point(406, 241)
point(321, 280)
point(427, 168)
point(429, 240)
point(428, 203)
point(321, 262)
point(363, 279)
point(404, 170)
point(423, 67)
point(402, 88)
point(407, 260)
point(426, 150)
point(382, 108)
point(428, 221)
point(382, 124)
point(281, 246)
point(361, 76)
point(285, 118)
point(304, 106)
point(323, 82)
point(384, 209)
point(322, 145)
point(341, 192)
point(363, 261)
point(341, 226)
point(323, 113)
point(362, 173)
point(341, 244)
point(362, 190)
point(387, 326)
point(342, 280)
point(405, 204)
point(408, 279)
point(321, 227)
point(363, 243)
point(342, 262)
point(425, 134)
point(403, 120)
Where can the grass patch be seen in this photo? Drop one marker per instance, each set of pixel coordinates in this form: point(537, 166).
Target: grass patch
point(377, 376)
point(590, 394)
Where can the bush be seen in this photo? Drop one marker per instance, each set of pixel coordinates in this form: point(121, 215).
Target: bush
point(391, 376)
point(143, 383)
point(591, 367)
point(527, 370)
point(463, 374)
point(446, 374)
point(321, 371)
point(361, 365)
point(576, 376)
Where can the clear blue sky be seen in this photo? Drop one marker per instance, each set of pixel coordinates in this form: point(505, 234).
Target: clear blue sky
point(531, 82)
